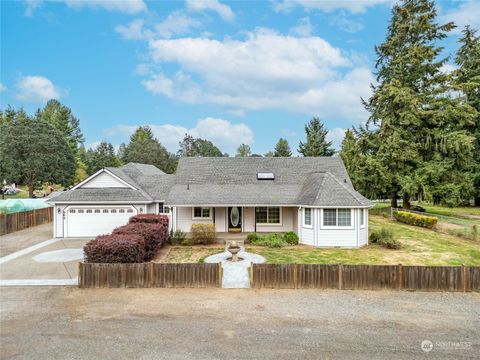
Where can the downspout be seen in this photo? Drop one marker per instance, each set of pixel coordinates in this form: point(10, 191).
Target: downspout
point(255, 218)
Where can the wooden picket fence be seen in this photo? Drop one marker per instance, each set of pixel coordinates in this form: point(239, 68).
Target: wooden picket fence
point(366, 277)
point(22, 220)
point(148, 275)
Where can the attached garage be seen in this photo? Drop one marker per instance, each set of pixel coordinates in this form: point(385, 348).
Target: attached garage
point(89, 221)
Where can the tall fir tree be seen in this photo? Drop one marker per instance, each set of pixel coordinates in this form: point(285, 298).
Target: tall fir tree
point(316, 143)
point(282, 149)
point(243, 151)
point(467, 80)
point(146, 149)
point(191, 146)
point(422, 138)
point(102, 156)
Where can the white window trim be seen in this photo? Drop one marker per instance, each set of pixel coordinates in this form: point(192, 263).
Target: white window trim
point(311, 218)
point(352, 221)
point(210, 217)
point(269, 224)
point(360, 218)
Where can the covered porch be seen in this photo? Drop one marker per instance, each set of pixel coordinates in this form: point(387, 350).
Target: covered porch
point(238, 221)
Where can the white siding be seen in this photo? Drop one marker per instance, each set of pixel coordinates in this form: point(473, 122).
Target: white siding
point(152, 208)
point(308, 235)
point(337, 237)
point(184, 219)
point(104, 180)
point(58, 221)
point(364, 231)
point(248, 219)
point(220, 219)
point(286, 223)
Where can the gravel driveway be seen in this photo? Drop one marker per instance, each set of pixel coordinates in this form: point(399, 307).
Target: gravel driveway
point(66, 322)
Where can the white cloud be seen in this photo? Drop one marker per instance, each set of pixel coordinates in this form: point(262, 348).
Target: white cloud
point(345, 22)
point(31, 6)
point(448, 68)
point(224, 11)
point(265, 71)
point(36, 89)
point(2, 87)
point(353, 6)
point(336, 136)
point(124, 6)
point(176, 23)
point(304, 28)
point(468, 13)
point(224, 134)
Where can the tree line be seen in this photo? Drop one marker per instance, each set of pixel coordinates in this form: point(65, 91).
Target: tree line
point(48, 147)
point(422, 138)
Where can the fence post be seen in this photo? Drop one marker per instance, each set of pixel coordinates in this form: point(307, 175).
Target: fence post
point(220, 274)
point(151, 277)
point(79, 274)
point(400, 276)
point(464, 278)
point(295, 276)
point(340, 276)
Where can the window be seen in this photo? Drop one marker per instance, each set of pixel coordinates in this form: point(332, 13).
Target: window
point(307, 217)
point(267, 215)
point(130, 211)
point(80, 211)
point(113, 211)
point(201, 213)
point(330, 217)
point(97, 211)
point(337, 217)
point(72, 211)
point(89, 211)
point(161, 209)
point(362, 217)
point(121, 211)
point(105, 210)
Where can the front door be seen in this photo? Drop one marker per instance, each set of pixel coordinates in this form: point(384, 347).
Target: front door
point(235, 219)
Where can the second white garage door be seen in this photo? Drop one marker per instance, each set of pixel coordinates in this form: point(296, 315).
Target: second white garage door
point(93, 221)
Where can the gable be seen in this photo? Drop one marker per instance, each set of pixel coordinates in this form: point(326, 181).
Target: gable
point(103, 180)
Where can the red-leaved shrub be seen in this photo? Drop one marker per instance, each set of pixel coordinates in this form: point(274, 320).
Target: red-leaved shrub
point(149, 218)
point(154, 235)
point(115, 249)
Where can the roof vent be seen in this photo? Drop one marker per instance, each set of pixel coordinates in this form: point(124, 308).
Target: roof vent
point(265, 176)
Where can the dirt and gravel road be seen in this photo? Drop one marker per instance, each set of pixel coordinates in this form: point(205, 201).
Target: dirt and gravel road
point(70, 323)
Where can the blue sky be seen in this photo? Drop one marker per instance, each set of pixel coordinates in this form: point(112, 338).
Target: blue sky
point(230, 72)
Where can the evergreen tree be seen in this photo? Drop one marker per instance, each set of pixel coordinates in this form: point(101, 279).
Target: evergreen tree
point(102, 156)
point(316, 144)
point(33, 152)
point(467, 80)
point(282, 149)
point(422, 139)
point(269, 154)
point(146, 149)
point(190, 146)
point(243, 151)
point(62, 119)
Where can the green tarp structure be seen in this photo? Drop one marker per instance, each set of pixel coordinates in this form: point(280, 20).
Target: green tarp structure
point(18, 205)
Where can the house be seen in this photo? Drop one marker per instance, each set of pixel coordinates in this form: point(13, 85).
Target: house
point(312, 196)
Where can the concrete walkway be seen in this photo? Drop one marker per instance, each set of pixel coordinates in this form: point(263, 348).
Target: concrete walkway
point(235, 274)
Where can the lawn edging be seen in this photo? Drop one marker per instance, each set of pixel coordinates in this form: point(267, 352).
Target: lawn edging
point(366, 277)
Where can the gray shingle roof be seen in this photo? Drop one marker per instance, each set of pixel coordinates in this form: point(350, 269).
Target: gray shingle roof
point(98, 195)
point(314, 181)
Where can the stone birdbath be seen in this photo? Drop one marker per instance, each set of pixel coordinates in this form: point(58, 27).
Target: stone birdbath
point(234, 248)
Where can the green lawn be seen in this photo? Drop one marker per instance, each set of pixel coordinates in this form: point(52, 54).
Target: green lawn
point(419, 247)
point(455, 211)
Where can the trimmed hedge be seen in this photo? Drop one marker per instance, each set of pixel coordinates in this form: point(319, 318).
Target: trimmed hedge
point(115, 249)
point(202, 234)
point(415, 219)
point(149, 218)
point(155, 235)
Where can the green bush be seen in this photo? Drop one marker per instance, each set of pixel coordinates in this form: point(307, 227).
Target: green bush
point(272, 240)
point(202, 234)
point(291, 238)
point(252, 237)
point(177, 237)
point(384, 237)
point(415, 219)
point(385, 214)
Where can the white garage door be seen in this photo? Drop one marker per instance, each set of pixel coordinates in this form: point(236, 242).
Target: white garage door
point(93, 221)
